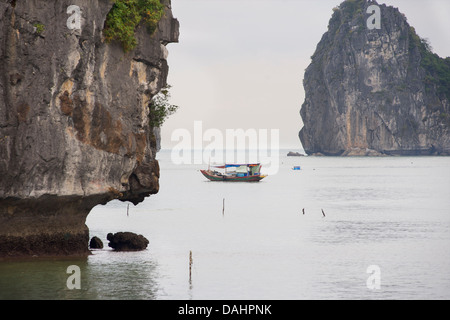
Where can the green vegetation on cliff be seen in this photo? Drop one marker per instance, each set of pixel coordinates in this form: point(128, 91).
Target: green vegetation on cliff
point(345, 12)
point(352, 7)
point(160, 108)
point(39, 28)
point(437, 69)
point(124, 17)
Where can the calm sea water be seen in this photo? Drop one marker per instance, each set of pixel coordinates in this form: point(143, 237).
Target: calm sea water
point(393, 213)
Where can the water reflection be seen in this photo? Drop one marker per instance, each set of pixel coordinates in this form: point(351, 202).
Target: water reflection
point(40, 279)
point(122, 275)
point(118, 276)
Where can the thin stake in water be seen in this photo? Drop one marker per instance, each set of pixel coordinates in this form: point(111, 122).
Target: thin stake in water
point(223, 207)
point(191, 261)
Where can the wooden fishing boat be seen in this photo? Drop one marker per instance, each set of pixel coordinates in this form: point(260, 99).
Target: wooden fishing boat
point(241, 173)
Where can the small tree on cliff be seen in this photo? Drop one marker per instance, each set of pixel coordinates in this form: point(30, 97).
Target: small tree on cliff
point(160, 108)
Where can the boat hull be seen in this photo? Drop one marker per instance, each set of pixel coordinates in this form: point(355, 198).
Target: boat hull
point(214, 177)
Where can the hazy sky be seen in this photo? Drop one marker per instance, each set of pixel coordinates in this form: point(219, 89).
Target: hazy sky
point(240, 63)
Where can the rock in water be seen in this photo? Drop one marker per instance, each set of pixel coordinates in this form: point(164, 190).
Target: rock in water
point(74, 127)
point(96, 243)
point(294, 154)
point(127, 241)
point(375, 89)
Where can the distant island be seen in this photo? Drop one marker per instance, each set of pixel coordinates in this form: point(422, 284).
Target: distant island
point(374, 87)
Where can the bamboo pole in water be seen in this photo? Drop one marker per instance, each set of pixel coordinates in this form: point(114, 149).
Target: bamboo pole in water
point(191, 261)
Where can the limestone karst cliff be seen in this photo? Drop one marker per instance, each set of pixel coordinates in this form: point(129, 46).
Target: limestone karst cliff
point(375, 87)
point(74, 127)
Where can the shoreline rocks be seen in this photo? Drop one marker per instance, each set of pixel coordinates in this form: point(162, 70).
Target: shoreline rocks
point(95, 243)
point(127, 241)
point(295, 154)
point(362, 152)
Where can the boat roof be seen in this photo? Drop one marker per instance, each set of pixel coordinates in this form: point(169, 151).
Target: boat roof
point(237, 165)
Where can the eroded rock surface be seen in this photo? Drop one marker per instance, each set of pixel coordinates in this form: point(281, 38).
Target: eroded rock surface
point(74, 129)
point(376, 91)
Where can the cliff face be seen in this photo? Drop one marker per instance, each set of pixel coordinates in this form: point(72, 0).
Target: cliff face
point(74, 127)
point(375, 91)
